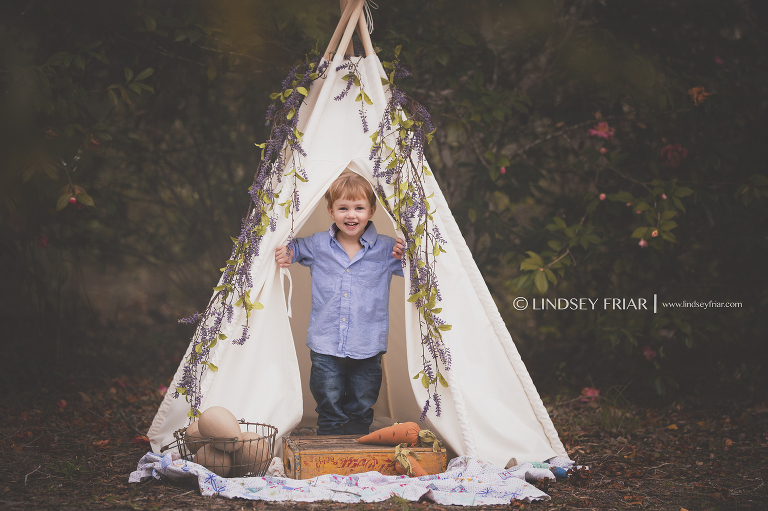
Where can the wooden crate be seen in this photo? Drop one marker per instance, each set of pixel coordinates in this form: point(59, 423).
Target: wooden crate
point(305, 457)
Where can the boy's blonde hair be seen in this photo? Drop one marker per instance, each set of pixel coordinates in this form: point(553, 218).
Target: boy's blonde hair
point(352, 186)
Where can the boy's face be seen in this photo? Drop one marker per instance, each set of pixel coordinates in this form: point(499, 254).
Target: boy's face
point(351, 216)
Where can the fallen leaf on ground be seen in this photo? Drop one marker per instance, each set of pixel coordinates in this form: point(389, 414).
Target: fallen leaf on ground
point(101, 444)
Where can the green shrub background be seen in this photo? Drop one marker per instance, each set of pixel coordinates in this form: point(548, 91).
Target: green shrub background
point(152, 109)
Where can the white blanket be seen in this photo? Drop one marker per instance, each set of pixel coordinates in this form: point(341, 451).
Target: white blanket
point(467, 482)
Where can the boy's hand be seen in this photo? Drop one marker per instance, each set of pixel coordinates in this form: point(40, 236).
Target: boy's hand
point(283, 256)
point(397, 250)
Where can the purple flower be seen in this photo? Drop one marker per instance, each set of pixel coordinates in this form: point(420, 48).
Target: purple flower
point(424, 411)
point(401, 72)
point(194, 318)
point(428, 370)
point(362, 117)
point(296, 201)
point(241, 340)
point(346, 90)
point(270, 114)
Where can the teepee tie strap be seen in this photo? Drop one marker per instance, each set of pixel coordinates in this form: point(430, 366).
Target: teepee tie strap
point(368, 16)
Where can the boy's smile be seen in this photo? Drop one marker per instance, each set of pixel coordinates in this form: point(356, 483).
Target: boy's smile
point(351, 216)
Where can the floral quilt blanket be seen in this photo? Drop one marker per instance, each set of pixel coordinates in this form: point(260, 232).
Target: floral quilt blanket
point(466, 482)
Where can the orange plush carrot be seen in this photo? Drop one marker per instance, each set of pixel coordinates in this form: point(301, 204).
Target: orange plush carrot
point(396, 434)
point(405, 462)
point(416, 470)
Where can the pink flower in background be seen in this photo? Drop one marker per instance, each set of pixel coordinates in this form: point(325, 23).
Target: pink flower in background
point(61, 404)
point(648, 353)
point(643, 243)
point(602, 130)
point(602, 196)
point(655, 233)
point(589, 394)
point(638, 212)
point(502, 170)
point(663, 196)
point(603, 150)
point(162, 389)
point(42, 242)
point(719, 61)
point(673, 154)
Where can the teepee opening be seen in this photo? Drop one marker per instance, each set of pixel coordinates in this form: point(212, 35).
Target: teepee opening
point(396, 400)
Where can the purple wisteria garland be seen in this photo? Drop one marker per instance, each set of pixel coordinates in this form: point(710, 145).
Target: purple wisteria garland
point(403, 166)
point(235, 283)
point(411, 126)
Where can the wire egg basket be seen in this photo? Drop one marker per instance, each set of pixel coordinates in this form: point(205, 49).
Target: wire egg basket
point(229, 457)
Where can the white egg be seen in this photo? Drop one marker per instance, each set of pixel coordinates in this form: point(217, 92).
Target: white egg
point(251, 457)
point(193, 441)
point(217, 461)
point(218, 422)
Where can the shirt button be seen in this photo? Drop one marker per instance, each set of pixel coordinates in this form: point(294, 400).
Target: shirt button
point(345, 295)
point(343, 319)
point(347, 270)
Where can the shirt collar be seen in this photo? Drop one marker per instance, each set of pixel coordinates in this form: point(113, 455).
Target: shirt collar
point(369, 236)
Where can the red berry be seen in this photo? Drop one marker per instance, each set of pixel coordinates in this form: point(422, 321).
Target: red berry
point(72, 200)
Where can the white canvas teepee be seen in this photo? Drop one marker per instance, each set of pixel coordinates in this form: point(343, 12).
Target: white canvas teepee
point(490, 409)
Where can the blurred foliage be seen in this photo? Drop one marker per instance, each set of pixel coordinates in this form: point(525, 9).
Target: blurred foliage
point(588, 149)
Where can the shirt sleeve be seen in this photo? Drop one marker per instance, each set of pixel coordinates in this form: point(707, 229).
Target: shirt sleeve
point(395, 265)
point(303, 252)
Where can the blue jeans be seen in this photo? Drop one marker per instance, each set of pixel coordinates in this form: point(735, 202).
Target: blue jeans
point(344, 389)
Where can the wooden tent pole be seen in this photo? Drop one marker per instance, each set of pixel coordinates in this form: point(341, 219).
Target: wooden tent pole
point(349, 15)
point(353, 20)
point(365, 37)
point(343, 4)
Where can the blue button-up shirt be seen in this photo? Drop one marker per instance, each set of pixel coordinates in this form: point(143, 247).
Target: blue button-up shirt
point(350, 298)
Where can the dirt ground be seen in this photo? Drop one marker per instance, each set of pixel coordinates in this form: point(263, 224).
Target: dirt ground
point(73, 445)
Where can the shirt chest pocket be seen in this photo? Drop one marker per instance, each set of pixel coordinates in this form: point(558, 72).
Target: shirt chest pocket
point(371, 273)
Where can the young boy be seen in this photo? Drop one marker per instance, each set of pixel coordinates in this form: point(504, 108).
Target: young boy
point(351, 266)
